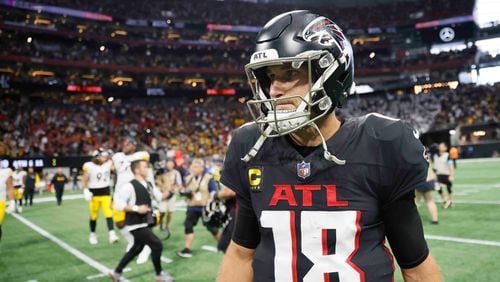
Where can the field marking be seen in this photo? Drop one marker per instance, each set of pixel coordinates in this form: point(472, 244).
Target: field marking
point(477, 186)
point(53, 199)
point(208, 248)
point(472, 202)
point(477, 202)
point(478, 160)
point(463, 240)
point(83, 257)
point(100, 275)
point(166, 259)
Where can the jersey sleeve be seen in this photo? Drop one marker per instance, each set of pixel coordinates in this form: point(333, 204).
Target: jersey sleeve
point(409, 163)
point(233, 172)
point(86, 167)
point(108, 164)
point(123, 196)
point(212, 186)
point(115, 158)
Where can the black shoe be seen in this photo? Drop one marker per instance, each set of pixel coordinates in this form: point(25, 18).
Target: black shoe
point(185, 253)
point(435, 222)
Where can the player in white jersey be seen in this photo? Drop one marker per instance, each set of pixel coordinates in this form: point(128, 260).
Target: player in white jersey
point(6, 189)
point(19, 180)
point(96, 189)
point(121, 162)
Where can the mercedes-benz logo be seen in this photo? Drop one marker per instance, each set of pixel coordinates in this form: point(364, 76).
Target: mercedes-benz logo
point(447, 34)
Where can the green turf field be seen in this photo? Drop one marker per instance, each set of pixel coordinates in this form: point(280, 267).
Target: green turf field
point(25, 255)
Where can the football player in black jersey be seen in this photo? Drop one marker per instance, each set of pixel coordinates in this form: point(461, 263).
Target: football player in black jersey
point(317, 198)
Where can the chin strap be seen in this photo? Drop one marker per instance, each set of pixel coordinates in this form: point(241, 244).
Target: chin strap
point(327, 155)
point(255, 149)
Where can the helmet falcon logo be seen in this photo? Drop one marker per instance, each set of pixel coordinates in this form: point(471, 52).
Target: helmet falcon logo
point(324, 32)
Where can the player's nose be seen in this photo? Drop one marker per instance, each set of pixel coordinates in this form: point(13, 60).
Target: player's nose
point(277, 88)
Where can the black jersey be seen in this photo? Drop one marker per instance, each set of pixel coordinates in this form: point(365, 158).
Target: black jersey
point(320, 221)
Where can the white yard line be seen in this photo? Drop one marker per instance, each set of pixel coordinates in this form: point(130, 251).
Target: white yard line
point(477, 202)
point(478, 160)
point(478, 186)
point(463, 240)
point(209, 248)
point(100, 275)
point(166, 259)
point(472, 202)
point(53, 199)
point(83, 257)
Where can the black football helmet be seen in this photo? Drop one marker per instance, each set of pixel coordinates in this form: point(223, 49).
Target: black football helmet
point(298, 38)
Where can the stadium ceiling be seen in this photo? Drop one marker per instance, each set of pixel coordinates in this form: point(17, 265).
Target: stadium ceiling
point(340, 3)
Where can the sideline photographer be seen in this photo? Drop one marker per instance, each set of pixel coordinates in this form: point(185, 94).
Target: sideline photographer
point(200, 190)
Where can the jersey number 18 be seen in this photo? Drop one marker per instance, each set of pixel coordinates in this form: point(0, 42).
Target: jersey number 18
point(314, 229)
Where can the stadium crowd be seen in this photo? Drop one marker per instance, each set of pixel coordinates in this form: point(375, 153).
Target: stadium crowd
point(438, 109)
point(365, 61)
point(202, 128)
point(59, 130)
point(175, 57)
point(469, 105)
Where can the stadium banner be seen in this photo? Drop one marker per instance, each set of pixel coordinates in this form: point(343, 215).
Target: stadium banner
point(56, 10)
point(448, 33)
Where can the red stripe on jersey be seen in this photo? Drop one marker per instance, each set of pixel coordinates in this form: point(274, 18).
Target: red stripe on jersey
point(294, 246)
point(324, 241)
point(356, 247)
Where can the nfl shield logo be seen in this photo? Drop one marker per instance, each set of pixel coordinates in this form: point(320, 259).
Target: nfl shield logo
point(303, 169)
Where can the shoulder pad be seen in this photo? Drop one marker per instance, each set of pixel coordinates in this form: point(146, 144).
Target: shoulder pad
point(381, 127)
point(117, 156)
point(86, 166)
point(245, 136)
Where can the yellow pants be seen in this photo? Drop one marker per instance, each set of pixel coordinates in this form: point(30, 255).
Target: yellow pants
point(100, 202)
point(2, 211)
point(18, 193)
point(118, 216)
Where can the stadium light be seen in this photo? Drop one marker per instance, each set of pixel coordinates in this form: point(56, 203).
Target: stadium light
point(363, 89)
point(479, 133)
point(490, 46)
point(486, 13)
point(102, 48)
point(488, 75)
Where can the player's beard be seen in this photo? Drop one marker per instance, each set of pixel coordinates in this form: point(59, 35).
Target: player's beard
point(309, 132)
